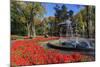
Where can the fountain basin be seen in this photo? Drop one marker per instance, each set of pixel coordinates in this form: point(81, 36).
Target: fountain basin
point(73, 45)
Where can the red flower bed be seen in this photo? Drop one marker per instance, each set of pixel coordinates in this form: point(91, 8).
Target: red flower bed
point(28, 52)
point(44, 39)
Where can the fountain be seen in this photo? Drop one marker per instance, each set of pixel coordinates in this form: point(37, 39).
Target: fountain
point(71, 42)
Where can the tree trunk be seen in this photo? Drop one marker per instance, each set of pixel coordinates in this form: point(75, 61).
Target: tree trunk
point(33, 30)
point(33, 27)
point(28, 30)
point(87, 20)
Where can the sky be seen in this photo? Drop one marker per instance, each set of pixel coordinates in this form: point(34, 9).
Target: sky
point(50, 8)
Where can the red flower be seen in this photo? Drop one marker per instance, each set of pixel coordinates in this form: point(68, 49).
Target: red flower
point(29, 52)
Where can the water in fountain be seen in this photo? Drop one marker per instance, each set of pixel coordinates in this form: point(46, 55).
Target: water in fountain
point(69, 31)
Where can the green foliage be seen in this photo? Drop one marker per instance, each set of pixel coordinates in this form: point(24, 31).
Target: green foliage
point(23, 15)
point(61, 13)
point(27, 18)
point(83, 19)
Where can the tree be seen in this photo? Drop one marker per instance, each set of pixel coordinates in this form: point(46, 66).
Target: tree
point(71, 14)
point(17, 26)
point(64, 13)
point(61, 14)
point(84, 19)
point(45, 25)
point(51, 22)
point(29, 10)
point(91, 20)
